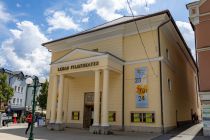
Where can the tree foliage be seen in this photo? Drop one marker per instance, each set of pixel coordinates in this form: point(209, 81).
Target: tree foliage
point(6, 92)
point(42, 98)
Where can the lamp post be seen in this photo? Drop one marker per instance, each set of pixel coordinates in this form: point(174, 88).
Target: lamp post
point(36, 83)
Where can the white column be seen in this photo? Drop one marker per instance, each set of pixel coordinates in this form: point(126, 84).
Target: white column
point(104, 115)
point(97, 98)
point(60, 100)
point(53, 100)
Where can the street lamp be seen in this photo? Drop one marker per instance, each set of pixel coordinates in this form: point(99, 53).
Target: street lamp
point(36, 83)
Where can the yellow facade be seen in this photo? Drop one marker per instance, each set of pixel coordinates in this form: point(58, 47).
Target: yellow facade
point(116, 59)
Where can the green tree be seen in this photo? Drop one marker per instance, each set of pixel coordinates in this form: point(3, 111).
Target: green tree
point(42, 98)
point(6, 92)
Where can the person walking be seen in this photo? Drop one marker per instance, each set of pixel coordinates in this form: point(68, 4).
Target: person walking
point(29, 121)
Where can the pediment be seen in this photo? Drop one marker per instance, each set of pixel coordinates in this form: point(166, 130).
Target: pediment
point(78, 54)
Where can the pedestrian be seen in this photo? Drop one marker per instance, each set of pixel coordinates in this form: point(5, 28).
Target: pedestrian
point(29, 121)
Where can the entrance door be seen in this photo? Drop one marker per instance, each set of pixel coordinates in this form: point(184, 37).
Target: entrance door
point(88, 109)
point(88, 116)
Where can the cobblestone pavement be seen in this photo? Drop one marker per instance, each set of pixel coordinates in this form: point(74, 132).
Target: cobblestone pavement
point(16, 132)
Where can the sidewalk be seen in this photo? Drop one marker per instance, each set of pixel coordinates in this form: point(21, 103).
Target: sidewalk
point(17, 132)
point(41, 133)
point(185, 133)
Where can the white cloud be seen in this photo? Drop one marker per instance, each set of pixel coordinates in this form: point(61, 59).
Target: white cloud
point(23, 50)
point(59, 20)
point(2, 61)
point(109, 9)
point(85, 20)
point(188, 35)
point(4, 15)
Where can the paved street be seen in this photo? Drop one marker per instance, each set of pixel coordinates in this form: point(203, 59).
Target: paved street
point(17, 132)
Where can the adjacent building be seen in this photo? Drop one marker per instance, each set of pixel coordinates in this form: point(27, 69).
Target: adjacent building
point(17, 82)
point(199, 16)
point(23, 94)
point(114, 77)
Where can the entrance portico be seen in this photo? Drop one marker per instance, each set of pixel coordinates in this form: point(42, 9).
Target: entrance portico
point(82, 62)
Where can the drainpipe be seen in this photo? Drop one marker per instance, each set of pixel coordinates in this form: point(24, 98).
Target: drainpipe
point(123, 99)
point(160, 65)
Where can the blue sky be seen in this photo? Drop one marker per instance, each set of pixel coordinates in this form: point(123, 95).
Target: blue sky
point(25, 24)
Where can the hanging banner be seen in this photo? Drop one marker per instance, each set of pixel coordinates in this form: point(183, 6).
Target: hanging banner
point(141, 87)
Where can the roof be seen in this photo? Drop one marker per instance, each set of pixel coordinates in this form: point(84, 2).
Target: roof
point(119, 21)
point(113, 22)
point(6, 71)
point(12, 72)
point(16, 72)
point(129, 19)
point(192, 3)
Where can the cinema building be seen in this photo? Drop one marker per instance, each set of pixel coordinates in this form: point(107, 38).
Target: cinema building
point(113, 77)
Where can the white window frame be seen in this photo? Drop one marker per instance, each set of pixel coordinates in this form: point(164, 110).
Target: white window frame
point(21, 89)
point(18, 89)
point(21, 101)
point(13, 100)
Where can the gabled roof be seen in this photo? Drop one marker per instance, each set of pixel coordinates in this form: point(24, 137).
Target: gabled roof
point(77, 54)
point(125, 20)
point(17, 72)
point(82, 53)
point(119, 21)
point(113, 22)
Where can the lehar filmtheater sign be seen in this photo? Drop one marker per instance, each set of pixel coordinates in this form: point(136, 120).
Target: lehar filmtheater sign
point(78, 66)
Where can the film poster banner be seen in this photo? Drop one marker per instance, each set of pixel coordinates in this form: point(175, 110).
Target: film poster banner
point(206, 116)
point(141, 87)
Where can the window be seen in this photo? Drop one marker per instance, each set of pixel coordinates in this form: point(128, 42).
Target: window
point(142, 117)
point(21, 89)
point(75, 115)
point(15, 88)
point(18, 89)
point(112, 116)
point(21, 101)
point(13, 100)
point(169, 85)
point(193, 11)
point(167, 54)
point(17, 101)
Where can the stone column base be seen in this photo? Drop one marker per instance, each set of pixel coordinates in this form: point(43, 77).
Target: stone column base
point(56, 126)
point(59, 127)
point(50, 126)
point(95, 129)
point(104, 130)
